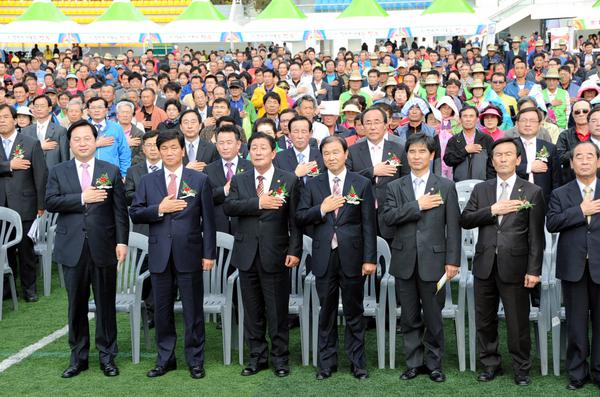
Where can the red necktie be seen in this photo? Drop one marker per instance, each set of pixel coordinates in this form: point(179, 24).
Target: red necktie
point(261, 187)
point(172, 188)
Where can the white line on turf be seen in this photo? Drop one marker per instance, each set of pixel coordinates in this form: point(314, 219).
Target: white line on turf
point(29, 350)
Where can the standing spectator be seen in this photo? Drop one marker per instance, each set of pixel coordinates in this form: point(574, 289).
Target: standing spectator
point(569, 137)
point(125, 111)
point(149, 114)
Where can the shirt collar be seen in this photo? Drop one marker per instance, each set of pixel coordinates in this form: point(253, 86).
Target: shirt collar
point(195, 142)
point(12, 137)
point(424, 178)
point(90, 163)
point(305, 152)
point(582, 186)
point(526, 141)
point(380, 144)
point(511, 181)
point(158, 164)
point(178, 172)
point(267, 175)
point(44, 125)
point(233, 161)
point(341, 176)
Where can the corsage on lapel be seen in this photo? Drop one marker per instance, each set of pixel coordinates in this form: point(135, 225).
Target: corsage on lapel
point(438, 193)
point(525, 204)
point(19, 152)
point(352, 196)
point(314, 171)
point(542, 154)
point(186, 191)
point(393, 160)
point(104, 182)
point(280, 192)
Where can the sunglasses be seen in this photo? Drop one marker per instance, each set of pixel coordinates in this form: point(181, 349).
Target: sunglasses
point(581, 111)
point(497, 82)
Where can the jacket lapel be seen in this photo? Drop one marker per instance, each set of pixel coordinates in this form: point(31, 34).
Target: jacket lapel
point(160, 182)
point(431, 186)
point(50, 130)
point(18, 140)
point(348, 182)
point(516, 194)
point(365, 155)
point(408, 189)
point(73, 177)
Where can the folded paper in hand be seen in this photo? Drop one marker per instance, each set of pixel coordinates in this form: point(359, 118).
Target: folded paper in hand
point(33, 230)
point(441, 283)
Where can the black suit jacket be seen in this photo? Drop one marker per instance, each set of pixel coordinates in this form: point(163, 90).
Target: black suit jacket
point(287, 160)
point(359, 160)
point(55, 133)
point(24, 190)
point(217, 178)
point(328, 96)
point(548, 180)
point(518, 239)
point(272, 234)
point(355, 224)
point(206, 152)
point(428, 239)
point(578, 240)
point(312, 142)
point(456, 154)
point(186, 236)
point(132, 182)
point(104, 224)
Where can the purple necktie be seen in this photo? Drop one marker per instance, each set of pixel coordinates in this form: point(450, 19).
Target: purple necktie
point(229, 171)
point(86, 179)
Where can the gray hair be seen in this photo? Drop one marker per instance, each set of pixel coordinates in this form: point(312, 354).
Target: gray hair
point(305, 98)
point(75, 101)
point(125, 103)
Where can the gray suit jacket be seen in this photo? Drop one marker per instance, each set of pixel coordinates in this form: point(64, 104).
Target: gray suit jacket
point(55, 133)
point(132, 182)
point(424, 241)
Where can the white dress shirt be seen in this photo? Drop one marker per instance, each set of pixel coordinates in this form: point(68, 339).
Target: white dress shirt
point(234, 163)
point(420, 190)
point(158, 164)
point(194, 143)
point(203, 113)
point(305, 152)
point(529, 145)
point(331, 177)
point(266, 182)
point(511, 183)
point(11, 139)
point(42, 127)
point(102, 125)
point(582, 186)
point(178, 172)
point(90, 169)
point(376, 152)
point(595, 141)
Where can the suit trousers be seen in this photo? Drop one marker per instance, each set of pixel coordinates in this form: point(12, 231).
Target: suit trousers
point(191, 292)
point(24, 255)
point(423, 333)
point(328, 290)
point(515, 299)
point(266, 303)
point(582, 302)
point(103, 280)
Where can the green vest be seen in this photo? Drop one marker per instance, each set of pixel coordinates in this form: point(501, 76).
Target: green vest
point(559, 111)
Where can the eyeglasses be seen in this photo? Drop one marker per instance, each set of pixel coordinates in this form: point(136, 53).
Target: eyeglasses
point(497, 82)
point(580, 111)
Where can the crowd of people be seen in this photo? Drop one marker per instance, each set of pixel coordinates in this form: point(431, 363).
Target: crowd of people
point(269, 146)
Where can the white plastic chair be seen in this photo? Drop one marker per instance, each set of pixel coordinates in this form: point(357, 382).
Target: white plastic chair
point(44, 248)
point(371, 307)
point(11, 232)
point(130, 281)
point(218, 291)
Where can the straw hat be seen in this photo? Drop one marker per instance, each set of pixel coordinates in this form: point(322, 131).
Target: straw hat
point(431, 80)
point(476, 84)
point(552, 74)
point(492, 47)
point(15, 60)
point(373, 56)
point(390, 82)
point(351, 108)
point(121, 57)
point(426, 67)
point(355, 76)
point(477, 68)
point(108, 57)
point(385, 69)
point(539, 43)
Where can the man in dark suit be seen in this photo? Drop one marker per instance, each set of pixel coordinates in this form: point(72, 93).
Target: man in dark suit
point(198, 152)
point(267, 244)
point(539, 163)
point(423, 209)
point(574, 213)
point(509, 213)
point(23, 175)
point(177, 204)
point(52, 137)
point(222, 171)
point(91, 237)
point(468, 151)
point(301, 159)
point(344, 252)
point(378, 159)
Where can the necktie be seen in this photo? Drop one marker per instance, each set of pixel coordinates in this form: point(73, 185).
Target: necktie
point(588, 196)
point(98, 128)
point(229, 171)
point(261, 187)
point(191, 152)
point(336, 192)
point(288, 143)
point(153, 168)
point(417, 182)
point(528, 146)
point(375, 149)
point(172, 188)
point(7, 147)
point(300, 158)
point(503, 196)
point(86, 179)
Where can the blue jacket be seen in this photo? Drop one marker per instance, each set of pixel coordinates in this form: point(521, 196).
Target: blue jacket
point(112, 71)
point(512, 88)
point(402, 131)
point(119, 152)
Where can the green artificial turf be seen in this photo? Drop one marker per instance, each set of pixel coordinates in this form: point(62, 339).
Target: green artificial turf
point(39, 374)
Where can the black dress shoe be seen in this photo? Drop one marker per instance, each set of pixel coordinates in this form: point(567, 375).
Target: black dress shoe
point(109, 369)
point(161, 370)
point(522, 380)
point(30, 298)
point(282, 372)
point(325, 373)
point(577, 384)
point(75, 370)
point(254, 369)
point(412, 373)
point(359, 373)
point(197, 372)
point(437, 376)
point(489, 374)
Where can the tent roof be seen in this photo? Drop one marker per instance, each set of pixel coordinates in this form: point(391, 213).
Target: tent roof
point(42, 10)
point(364, 8)
point(449, 6)
point(281, 9)
point(596, 4)
point(201, 9)
point(121, 10)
